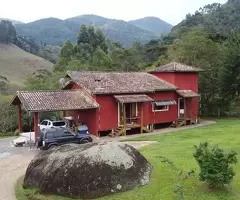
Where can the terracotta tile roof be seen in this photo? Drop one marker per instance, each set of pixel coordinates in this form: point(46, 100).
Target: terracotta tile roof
point(187, 93)
point(176, 67)
point(118, 83)
point(55, 100)
point(133, 98)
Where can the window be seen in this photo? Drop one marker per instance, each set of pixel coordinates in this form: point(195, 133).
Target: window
point(60, 123)
point(44, 123)
point(160, 108)
point(163, 105)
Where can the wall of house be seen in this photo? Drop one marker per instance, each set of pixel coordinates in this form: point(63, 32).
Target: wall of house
point(164, 116)
point(108, 113)
point(184, 81)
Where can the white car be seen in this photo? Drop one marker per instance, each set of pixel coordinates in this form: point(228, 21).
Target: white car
point(48, 124)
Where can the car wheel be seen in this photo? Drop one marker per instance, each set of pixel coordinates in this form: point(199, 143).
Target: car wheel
point(84, 141)
point(52, 146)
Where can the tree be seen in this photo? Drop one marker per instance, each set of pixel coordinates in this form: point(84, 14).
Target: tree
point(230, 71)
point(67, 50)
point(197, 49)
point(215, 164)
point(101, 60)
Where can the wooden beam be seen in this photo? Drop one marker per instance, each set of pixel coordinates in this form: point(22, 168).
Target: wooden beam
point(141, 118)
point(36, 125)
point(124, 119)
point(64, 113)
point(185, 111)
point(190, 110)
point(20, 118)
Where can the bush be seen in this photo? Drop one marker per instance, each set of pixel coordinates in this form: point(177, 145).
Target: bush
point(215, 164)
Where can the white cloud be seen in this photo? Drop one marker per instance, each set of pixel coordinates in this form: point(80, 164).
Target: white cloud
point(172, 11)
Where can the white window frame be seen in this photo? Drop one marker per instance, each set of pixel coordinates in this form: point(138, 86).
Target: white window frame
point(162, 110)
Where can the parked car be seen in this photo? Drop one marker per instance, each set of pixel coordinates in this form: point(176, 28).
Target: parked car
point(58, 136)
point(48, 124)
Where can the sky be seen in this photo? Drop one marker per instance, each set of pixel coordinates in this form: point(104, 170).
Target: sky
point(172, 11)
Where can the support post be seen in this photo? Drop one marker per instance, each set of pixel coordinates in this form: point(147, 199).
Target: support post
point(64, 113)
point(191, 120)
point(124, 119)
point(185, 111)
point(141, 118)
point(20, 118)
point(35, 125)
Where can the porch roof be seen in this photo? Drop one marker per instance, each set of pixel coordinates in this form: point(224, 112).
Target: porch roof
point(54, 100)
point(187, 93)
point(133, 98)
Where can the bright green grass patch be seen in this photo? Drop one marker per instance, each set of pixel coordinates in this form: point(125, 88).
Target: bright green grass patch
point(178, 147)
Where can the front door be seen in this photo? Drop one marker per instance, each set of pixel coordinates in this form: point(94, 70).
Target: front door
point(130, 110)
point(180, 107)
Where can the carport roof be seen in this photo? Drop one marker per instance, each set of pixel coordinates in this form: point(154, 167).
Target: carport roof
point(54, 100)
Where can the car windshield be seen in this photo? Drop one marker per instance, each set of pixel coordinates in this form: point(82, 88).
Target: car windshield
point(60, 123)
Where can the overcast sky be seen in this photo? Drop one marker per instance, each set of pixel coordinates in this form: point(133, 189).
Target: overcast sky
point(172, 11)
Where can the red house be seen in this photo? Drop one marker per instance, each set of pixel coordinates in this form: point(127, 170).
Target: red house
point(117, 102)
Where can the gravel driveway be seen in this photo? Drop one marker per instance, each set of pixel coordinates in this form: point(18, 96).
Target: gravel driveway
point(14, 162)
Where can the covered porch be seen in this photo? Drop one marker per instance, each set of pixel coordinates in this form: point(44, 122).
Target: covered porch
point(131, 113)
point(43, 101)
point(187, 103)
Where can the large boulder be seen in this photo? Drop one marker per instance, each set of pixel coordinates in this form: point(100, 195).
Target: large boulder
point(88, 171)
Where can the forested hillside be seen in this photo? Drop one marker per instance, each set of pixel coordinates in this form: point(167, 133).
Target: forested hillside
point(153, 24)
point(216, 19)
point(54, 31)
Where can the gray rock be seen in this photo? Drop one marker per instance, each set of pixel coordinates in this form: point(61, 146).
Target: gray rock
point(88, 171)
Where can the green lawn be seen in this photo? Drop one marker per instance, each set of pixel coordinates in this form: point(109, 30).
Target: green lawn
point(178, 147)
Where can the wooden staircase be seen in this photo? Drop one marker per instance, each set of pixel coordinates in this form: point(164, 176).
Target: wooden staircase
point(181, 122)
point(117, 131)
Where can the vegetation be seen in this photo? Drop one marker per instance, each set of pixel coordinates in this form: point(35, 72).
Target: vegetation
point(53, 31)
point(16, 65)
point(153, 24)
point(177, 147)
point(216, 19)
point(215, 164)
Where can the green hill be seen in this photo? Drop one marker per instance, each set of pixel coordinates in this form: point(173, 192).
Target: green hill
point(55, 31)
point(215, 18)
point(152, 24)
point(16, 64)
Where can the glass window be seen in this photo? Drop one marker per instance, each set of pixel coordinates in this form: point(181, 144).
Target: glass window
point(60, 123)
point(160, 107)
point(44, 123)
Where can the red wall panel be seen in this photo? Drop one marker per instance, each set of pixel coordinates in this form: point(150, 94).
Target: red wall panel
point(165, 116)
point(108, 114)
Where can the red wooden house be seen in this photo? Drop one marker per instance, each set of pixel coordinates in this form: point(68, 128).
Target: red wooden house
point(117, 102)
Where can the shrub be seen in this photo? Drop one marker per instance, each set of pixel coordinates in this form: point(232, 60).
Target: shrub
point(215, 164)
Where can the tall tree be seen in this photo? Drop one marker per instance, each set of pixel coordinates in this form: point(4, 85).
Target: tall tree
point(197, 49)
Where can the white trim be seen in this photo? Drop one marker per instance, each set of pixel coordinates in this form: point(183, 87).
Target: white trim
point(164, 110)
point(179, 109)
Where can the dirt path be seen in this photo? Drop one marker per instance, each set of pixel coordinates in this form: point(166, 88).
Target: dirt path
point(11, 169)
point(14, 166)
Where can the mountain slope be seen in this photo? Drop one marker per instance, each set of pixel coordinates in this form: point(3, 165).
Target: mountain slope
point(16, 64)
point(217, 19)
point(14, 22)
point(56, 31)
point(152, 24)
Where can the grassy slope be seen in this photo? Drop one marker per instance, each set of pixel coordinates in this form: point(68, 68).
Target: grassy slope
point(178, 147)
point(16, 64)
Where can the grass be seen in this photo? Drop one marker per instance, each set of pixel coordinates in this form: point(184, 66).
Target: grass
point(16, 64)
point(178, 147)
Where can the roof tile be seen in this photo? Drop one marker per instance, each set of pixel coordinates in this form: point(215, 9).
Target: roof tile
point(55, 100)
point(119, 83)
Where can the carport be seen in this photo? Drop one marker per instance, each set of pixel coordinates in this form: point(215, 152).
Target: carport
point(61, 100)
